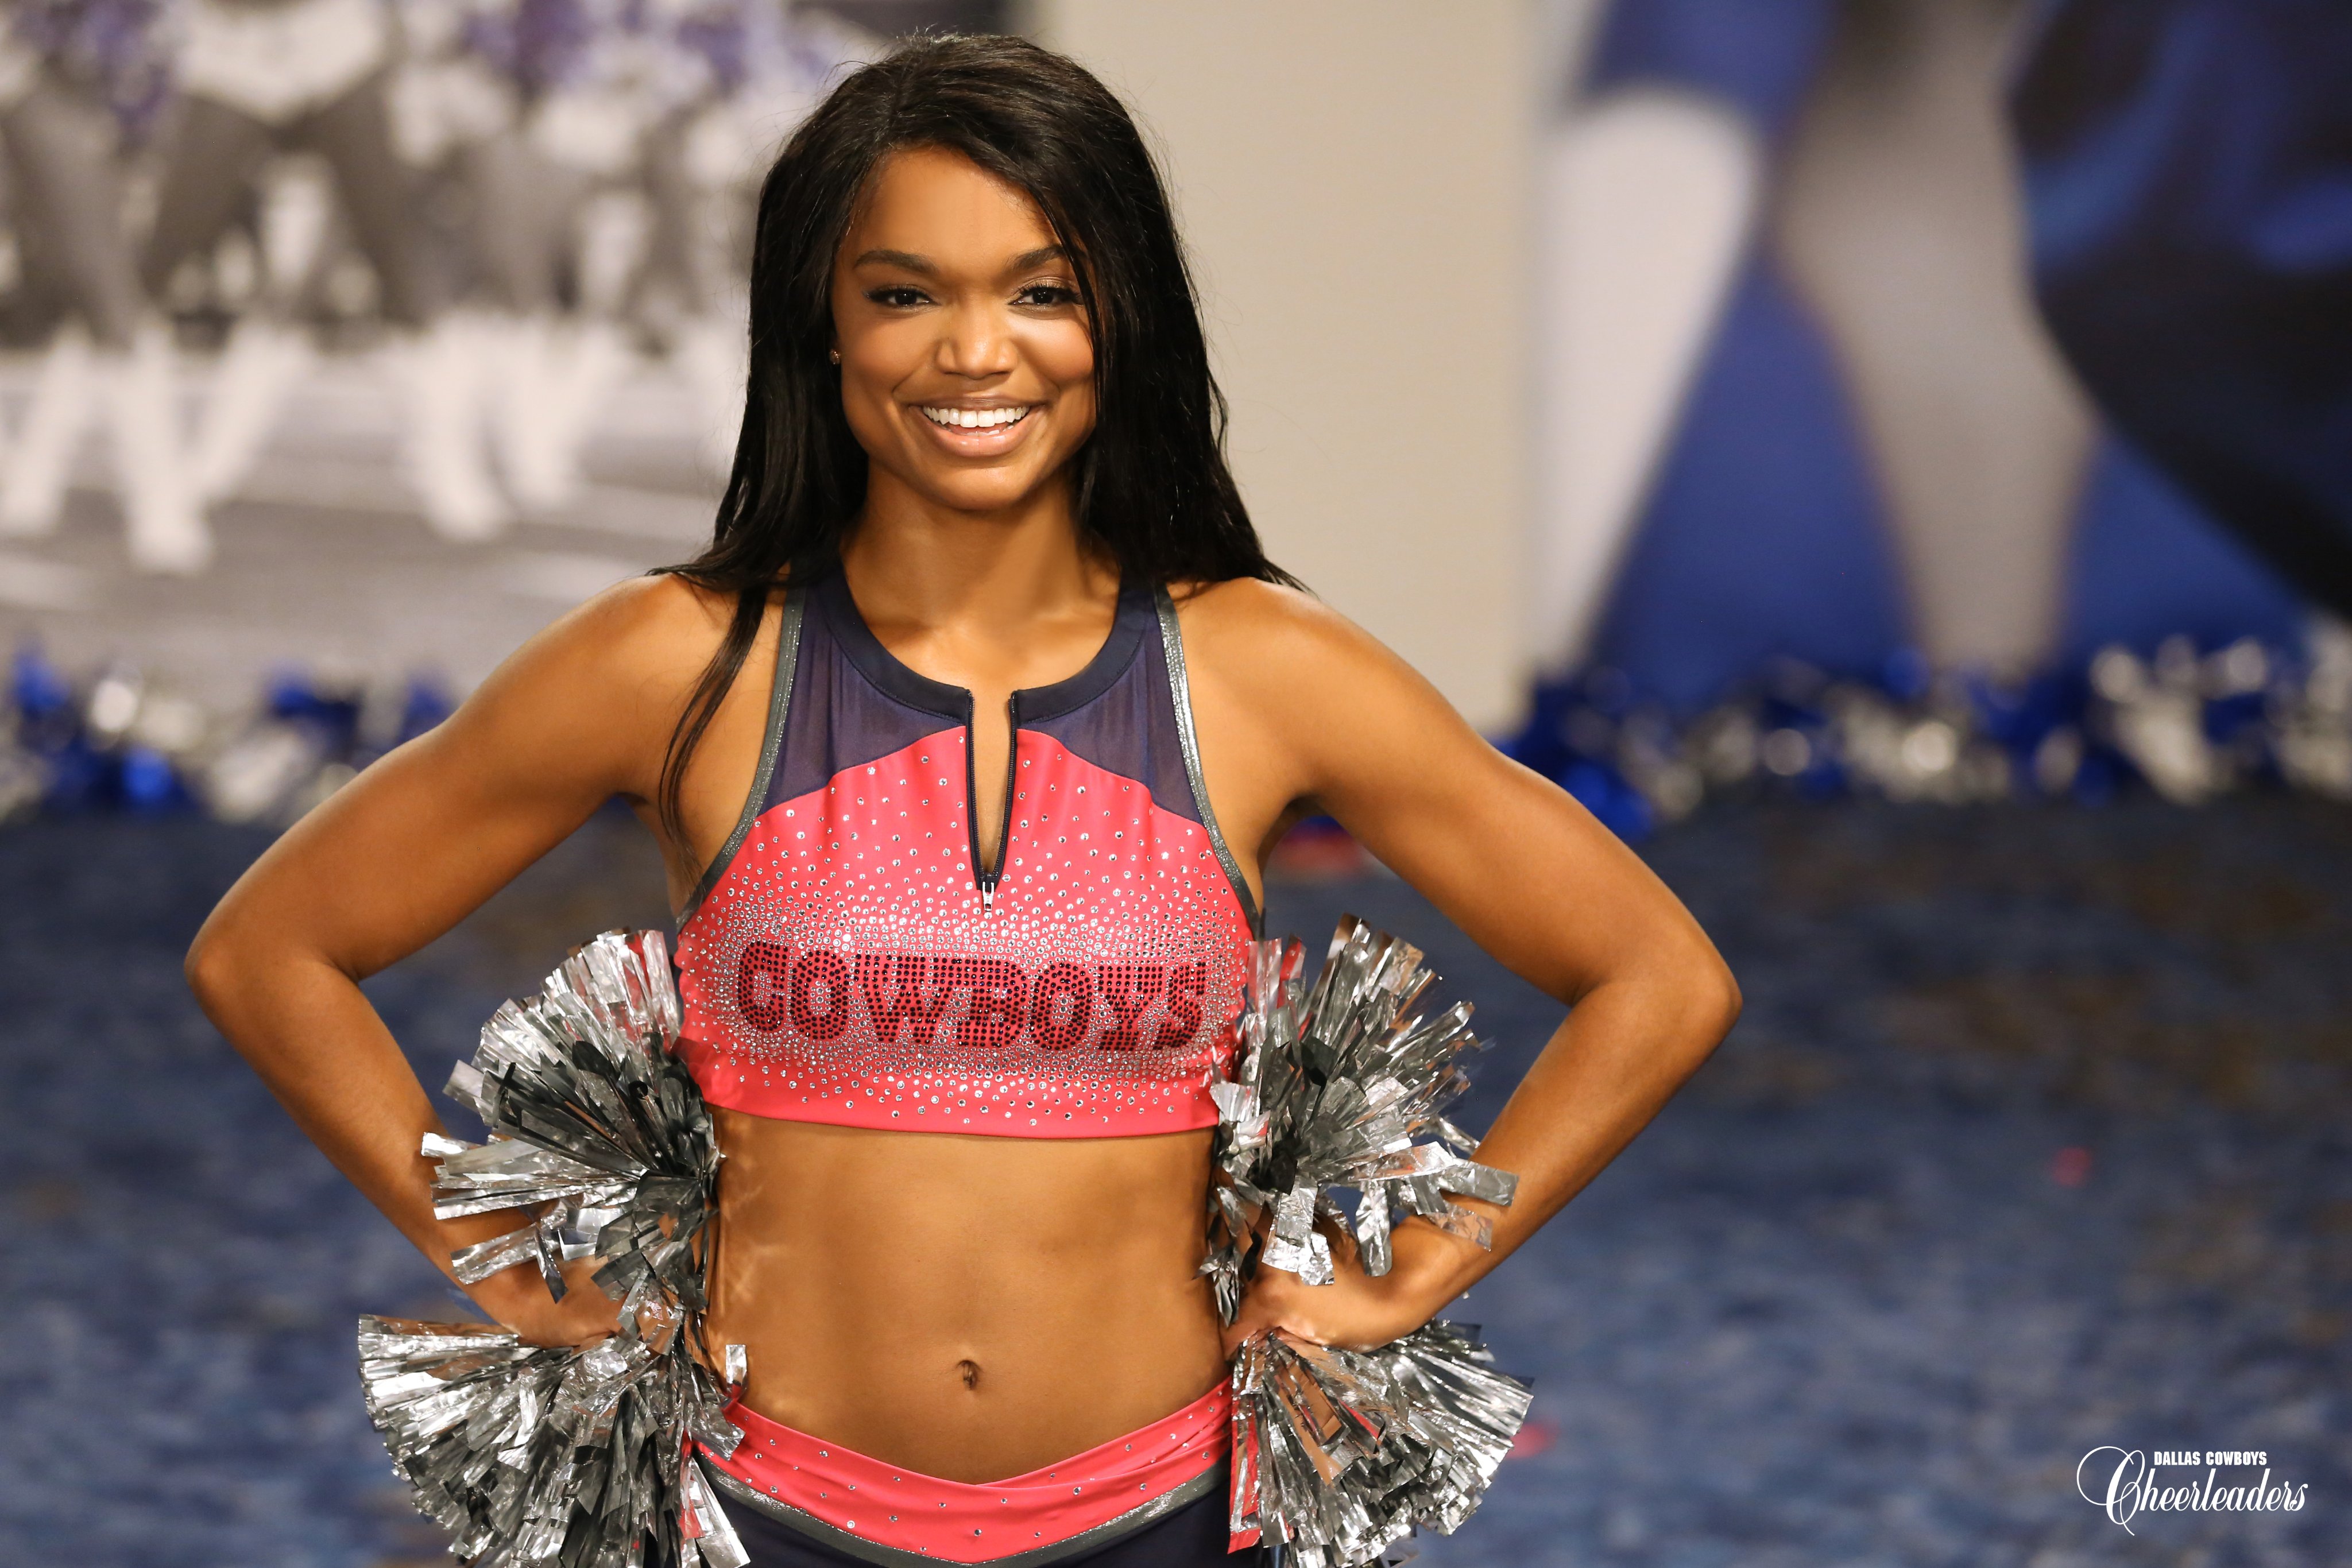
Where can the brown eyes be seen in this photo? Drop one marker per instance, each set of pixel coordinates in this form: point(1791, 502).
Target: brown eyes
point(1034, 297)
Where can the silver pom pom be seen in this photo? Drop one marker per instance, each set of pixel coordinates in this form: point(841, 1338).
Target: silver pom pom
point(559, 1457)
point(1338, 1454)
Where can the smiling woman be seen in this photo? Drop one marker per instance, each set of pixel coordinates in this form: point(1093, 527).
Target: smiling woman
point(967, 372)
point(956, 984)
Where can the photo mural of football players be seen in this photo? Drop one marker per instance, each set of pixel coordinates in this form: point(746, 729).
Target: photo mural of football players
point(758, 68)
point(611, 205)
point(77, 78)
point(262, 77)
point(687, 299)
point(571, 128)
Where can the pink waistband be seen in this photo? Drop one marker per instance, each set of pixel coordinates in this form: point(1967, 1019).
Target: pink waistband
point(958, 1522)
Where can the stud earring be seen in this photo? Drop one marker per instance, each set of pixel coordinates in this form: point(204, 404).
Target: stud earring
point(833, 355)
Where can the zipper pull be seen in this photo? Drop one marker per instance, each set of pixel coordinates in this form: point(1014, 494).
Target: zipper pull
point(987, 899)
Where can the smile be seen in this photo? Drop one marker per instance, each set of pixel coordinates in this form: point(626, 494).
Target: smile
point(975, 418)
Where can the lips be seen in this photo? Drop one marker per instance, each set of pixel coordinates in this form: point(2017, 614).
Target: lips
point(977, 430)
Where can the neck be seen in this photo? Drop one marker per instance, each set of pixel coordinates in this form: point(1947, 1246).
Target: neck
point(916, 563)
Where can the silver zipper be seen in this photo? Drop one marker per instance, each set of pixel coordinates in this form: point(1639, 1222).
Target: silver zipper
point(986, 879)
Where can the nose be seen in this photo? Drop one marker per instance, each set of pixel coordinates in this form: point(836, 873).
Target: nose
point(978, 343)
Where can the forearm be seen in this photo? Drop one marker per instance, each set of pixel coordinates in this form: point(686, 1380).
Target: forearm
point(1606, 1072)
point(309, 1033)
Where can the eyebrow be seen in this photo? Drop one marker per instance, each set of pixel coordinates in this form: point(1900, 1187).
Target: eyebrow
point(925, 267)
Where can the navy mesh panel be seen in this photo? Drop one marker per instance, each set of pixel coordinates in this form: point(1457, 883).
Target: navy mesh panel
point(1131, 728)
point(840, 718)
point(852, 701)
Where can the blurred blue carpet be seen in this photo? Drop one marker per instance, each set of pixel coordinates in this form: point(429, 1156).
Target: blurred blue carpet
point(2032, 1140)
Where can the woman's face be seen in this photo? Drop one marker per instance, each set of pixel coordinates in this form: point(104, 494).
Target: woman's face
point(967, 372)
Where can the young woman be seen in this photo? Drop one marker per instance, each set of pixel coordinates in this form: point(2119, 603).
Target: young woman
point(965, 741)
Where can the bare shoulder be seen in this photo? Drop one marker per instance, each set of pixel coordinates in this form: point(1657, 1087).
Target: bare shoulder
point(1297, 701)
point(648, 618)
point(647, 636)
point(599, 692)
point(1259, 634)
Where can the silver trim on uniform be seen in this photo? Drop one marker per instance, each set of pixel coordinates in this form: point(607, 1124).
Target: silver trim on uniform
point(779, 698)
point(857, 1546)
point(1188, 741)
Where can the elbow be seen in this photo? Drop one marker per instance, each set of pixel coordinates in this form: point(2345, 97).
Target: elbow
point(213, 962)
point(1688, 997)
point(203, 967)
point(1709, 997)
point(1726, 998)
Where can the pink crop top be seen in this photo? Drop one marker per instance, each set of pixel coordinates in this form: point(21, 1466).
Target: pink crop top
point(847, 961)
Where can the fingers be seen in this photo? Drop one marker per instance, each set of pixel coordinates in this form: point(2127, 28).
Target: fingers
point(1273, 1303)
point(1259, 1314)
point(566, 1337)
point(1244, 1330)
point(578, 1320)
point(1353, 1313)
point(1238, 1331)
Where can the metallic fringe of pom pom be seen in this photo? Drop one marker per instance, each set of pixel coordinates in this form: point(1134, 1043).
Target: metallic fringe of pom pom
point(1339, 1454)
point(563, 1458)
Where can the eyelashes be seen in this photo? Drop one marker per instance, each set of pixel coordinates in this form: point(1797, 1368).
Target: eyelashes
point(1034, 296)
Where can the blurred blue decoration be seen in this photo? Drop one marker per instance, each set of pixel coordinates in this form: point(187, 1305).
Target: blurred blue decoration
point(1603, 790)
point(68, 773)
point(148, 781)
point(43, 698)
point(115, 742)
point(1758, 58)
point(2020, 718)
point(2194, 721)
point(78, 778)
point(1906, 674)
point(2189, 175)
point(2146, 564)
point(331, 711)
point(2097, 781)
point(1763, 534)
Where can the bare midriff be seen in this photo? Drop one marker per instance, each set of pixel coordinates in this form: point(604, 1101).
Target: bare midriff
point(972, 1308)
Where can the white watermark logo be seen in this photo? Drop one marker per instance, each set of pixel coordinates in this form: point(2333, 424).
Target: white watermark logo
point(2125, 1483)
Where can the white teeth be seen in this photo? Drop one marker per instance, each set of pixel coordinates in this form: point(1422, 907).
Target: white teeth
point(975, 418)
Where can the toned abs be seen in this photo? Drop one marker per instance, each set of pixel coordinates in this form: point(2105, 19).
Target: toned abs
point(973, 1307)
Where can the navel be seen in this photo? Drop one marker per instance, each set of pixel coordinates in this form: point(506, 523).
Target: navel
point(970, 1372)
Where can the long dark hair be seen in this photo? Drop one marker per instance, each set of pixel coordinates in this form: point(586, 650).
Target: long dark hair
point(1149, 486)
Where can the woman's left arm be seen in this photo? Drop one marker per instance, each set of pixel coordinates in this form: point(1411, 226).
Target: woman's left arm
point(1512, 859)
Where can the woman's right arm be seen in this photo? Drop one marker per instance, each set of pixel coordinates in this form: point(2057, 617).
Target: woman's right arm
point(579, 714)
